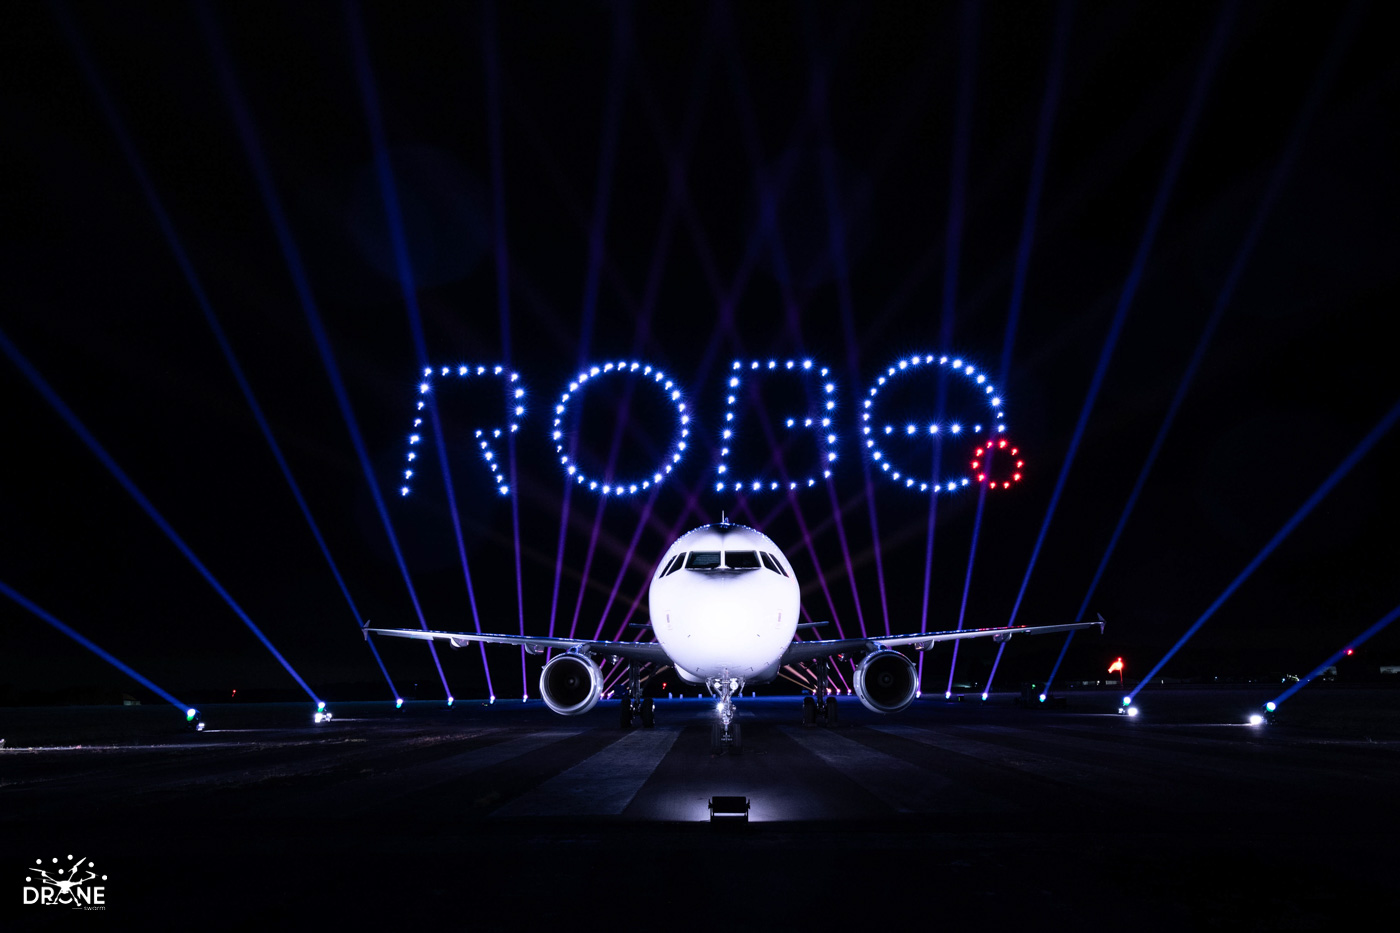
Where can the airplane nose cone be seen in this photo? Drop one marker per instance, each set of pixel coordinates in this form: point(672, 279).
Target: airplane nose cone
point(727, 621)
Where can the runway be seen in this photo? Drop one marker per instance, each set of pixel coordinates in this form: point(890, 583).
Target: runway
point(508, 815)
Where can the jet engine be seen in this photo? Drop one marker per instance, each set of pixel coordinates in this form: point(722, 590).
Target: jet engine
point(571, 684)
point(886, 681)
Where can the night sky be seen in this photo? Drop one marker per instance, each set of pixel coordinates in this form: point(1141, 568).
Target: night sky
point(1032, 188)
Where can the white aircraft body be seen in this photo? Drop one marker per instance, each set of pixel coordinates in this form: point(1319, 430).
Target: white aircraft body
point(724, 608)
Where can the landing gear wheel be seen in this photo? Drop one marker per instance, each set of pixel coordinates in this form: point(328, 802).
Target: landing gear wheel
point(716, 738)
point(626, 715)
point(648, 713)
point(831, 711)
point(736, 739)
point(809, 711)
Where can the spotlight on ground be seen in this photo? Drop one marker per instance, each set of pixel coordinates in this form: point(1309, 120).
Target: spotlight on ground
point(322, 714)
point(729, 810)
point(450, 701)
point(192, 720)
point(398, 702)
point(1256, 720)
point(1269, 714)
point(1126, 710)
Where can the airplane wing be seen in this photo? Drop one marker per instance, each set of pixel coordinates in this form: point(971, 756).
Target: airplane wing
point(811, 650)
point(534, 644)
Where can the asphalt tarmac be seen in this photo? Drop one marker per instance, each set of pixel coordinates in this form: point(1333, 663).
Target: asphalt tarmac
point(509, 817)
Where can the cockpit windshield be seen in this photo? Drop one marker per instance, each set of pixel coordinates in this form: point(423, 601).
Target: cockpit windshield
point(741, 560)
point(702, 560)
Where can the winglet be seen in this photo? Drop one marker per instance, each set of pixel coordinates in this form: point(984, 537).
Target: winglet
point(1101, 622)
point(364, 629)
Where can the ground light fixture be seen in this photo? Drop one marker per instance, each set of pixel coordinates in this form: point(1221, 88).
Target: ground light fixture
point(322, 714)
point(729, 810)
point(193, 722)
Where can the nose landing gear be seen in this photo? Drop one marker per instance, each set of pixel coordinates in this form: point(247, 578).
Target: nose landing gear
point(726, 733)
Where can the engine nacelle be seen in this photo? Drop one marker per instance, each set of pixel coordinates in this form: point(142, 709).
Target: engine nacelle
point(571, 684)
point(886, 681)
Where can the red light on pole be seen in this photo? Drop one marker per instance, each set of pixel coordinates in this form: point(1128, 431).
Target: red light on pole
point(1117, 665)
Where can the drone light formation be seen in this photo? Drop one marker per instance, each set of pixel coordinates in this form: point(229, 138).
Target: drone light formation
point(817, 420)
point(873, 429)
point(985, 434)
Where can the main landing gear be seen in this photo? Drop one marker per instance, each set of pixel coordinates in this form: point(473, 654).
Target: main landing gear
point(634, 705)
point(726, 733)
point(819, 706)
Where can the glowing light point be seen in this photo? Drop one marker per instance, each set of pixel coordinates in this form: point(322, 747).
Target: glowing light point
point(450, 701)
point(398, 702)
point(1271, 706)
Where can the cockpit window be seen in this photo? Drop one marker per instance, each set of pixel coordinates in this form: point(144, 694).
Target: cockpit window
point(741, 560)
point(771, 563)
point(674, 564)
point(702, 560)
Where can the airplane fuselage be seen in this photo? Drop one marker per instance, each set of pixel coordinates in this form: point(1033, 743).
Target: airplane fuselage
point(724, 603)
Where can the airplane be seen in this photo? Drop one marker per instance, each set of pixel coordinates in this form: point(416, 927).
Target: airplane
point(724, 604)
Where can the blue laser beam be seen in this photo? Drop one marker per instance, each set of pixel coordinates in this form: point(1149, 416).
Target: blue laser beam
point(100, 452)
point(182, 259)
point(1340, 653)
point(491, 66)
point(1226, 294)
point(1135, 273)
point(967, 584)
point(267, 188)
point(1361, 449)
point(399, 240)
point(90, 645)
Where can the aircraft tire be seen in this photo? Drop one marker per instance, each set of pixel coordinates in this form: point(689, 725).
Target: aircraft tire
point(626, 714)
point(809, 711)
point(648, 713)
point(736, 735)
point(831, 711)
